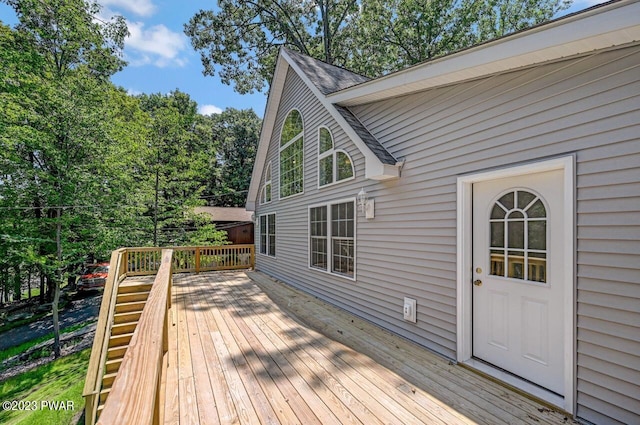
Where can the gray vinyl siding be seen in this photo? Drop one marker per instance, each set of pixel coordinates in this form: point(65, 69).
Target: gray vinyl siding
point(588, 107)
point(377, 293)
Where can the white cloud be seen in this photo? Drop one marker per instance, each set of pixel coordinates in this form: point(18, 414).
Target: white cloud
point(138, 7)
point(156, 45)
point(209, 110)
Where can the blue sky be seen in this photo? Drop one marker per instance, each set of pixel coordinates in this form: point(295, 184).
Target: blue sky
point(161, 58)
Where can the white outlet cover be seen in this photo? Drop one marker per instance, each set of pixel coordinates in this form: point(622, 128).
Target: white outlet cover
point(409, 310)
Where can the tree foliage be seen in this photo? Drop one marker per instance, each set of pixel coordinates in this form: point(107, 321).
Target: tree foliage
point(52, 135)
point(85, 167)
point(176, 162)
point(234, 136)
point(241, 39)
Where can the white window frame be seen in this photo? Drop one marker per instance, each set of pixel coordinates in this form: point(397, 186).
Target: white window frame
point(282, 148)
point(267, 252)
point(266, 184)
point(329, 238)
point(333, 152)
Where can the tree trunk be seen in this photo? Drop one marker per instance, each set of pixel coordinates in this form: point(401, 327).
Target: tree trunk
point(17, 283)
point(4, 283)
point(155, 206)
point(56, 288)
point(50, 288)
point(42, 286)
point(29, 282)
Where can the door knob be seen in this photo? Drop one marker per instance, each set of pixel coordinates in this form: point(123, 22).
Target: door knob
point(477, 282)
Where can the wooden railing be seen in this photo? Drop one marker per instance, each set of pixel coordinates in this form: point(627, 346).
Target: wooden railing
point(143, 261)
point(147, 261)
point(93, 382)
point(135, 395)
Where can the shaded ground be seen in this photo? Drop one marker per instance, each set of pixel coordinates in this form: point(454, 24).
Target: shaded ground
point(81, 309)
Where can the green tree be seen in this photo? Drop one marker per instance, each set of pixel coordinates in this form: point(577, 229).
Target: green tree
point(234, 139)
point(413, 31)
point(53, 135)
point(241, 39)
point(177, 159)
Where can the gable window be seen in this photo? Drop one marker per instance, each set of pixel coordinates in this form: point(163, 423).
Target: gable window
point(334, 165)
point(332, 238)
point(265, 195)
point(291, 155)
point(268, 234)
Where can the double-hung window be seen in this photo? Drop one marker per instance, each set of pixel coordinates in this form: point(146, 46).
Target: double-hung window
point(332, 238)
point(268, 234)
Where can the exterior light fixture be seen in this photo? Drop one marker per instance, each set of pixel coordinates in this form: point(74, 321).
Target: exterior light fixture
point(366, 205)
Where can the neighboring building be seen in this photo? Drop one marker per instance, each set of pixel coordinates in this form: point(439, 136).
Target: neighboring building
point(506, 181)
point(236, 222)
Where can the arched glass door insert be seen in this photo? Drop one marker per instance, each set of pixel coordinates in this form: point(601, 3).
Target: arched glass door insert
point(518, 243)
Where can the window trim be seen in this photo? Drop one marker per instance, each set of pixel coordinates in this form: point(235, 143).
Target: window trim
point(265, 184)
point(328, 205)
point(285, 146)
point(333, 152)
point(275, 222)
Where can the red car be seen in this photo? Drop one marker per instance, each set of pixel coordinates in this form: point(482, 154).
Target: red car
point(93, 277)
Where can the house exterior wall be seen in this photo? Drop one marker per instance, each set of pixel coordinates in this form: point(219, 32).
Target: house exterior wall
point(588, 107)
point(376, 294)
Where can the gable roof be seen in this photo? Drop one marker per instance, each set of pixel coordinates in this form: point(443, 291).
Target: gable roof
point(321, 78)
point(327, 78)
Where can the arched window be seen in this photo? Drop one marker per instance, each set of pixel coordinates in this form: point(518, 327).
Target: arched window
point(334, 165)
point(518, 243)
point(291, 155)
point(265, 195)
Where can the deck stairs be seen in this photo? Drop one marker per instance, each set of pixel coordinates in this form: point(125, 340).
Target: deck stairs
point(130, 301)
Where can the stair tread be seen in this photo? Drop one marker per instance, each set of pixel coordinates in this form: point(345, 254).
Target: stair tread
point(124, 324)
point(121, 340)
point(130, 302)
point(135, 293)
point(134, 305)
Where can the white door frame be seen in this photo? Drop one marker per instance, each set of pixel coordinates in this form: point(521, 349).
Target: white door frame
point(465, 277)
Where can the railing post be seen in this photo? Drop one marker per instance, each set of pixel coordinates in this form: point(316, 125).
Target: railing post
point(253, 257)
point(197, 259)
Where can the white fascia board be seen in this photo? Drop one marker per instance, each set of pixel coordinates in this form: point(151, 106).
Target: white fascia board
point(374, 168)
point(268, 122)
point(600, 28)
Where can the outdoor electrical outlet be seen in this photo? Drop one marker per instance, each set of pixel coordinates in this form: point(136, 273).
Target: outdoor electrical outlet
point(409, 310)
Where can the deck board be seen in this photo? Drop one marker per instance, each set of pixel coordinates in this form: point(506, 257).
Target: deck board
point(245, 349)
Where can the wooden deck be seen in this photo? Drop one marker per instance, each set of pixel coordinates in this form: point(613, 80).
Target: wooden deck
point(249, 350)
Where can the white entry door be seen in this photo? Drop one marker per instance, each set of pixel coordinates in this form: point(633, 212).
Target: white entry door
point(518, 280)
